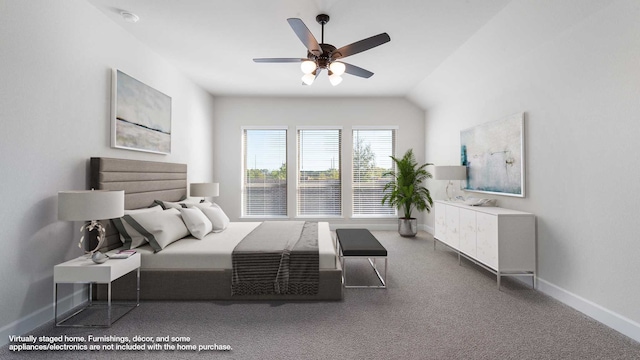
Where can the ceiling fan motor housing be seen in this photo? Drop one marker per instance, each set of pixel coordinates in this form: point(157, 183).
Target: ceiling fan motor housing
point(325, 59)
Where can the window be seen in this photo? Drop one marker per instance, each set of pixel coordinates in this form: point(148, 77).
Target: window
point(319, 184)
point(371, 151)
point(265, 172)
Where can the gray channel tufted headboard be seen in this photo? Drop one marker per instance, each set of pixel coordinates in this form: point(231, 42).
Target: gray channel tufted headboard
point(142, 182)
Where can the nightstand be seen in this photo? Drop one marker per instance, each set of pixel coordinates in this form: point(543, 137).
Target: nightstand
point(83, 270)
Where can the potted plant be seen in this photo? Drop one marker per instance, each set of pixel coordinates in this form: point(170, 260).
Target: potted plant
point(406, 192)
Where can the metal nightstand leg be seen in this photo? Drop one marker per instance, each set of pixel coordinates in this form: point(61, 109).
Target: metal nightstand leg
point(138, 288)
point(55, 304)
point(90, 304)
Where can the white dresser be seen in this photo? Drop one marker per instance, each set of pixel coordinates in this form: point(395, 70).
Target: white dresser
point(500, 240)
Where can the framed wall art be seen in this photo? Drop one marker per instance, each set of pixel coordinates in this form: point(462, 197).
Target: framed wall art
point(494, 156)
point(141, 116)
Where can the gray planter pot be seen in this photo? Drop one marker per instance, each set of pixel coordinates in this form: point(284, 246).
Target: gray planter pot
point(408, 227)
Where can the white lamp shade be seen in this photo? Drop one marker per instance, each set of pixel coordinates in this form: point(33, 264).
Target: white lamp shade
point(308, 78)
point(85, 205)
point(308, 66)
point(335, 79)
point(450, 173)
point(205, 189)
point(337, 68)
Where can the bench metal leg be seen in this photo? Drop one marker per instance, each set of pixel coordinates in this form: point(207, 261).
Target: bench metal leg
point(383, 279)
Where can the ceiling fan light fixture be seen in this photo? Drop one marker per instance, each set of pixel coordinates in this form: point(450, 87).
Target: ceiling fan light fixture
point(335, 79)
point(337, 68)
point(308, 78)
point(308, 66)
point(321, 55)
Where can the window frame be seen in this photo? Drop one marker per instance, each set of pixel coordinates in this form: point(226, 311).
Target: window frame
point(340, 165)
point(394, 130)
point(243, 198)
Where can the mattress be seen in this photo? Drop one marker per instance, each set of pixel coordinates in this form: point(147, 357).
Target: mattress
point(213, 252)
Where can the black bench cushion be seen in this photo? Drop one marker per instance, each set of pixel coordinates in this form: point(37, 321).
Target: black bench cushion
point(359, 242)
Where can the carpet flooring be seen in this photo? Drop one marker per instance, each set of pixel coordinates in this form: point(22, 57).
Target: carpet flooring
point(433, 308)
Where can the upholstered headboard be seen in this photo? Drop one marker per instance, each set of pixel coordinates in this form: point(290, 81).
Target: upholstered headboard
point(142, 182)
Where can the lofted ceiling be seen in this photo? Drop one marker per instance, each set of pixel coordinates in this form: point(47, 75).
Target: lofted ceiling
point(213, 42)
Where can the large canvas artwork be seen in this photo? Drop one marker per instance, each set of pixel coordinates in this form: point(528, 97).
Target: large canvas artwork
point(141, 117)
point(494, 156)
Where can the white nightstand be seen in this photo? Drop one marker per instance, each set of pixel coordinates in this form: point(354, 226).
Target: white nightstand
point(83, 270)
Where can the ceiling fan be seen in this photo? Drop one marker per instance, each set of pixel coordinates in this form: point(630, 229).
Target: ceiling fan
point(324, 56)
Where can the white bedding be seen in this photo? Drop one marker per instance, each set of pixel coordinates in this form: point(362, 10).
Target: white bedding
point(214, 250)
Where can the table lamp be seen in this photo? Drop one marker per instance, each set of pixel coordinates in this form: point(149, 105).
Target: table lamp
point(204, 189)
point(91, 205)
point(450, 173)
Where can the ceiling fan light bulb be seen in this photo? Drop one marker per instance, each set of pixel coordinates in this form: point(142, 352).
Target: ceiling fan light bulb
point(337, 68)
point(335, 79)
point(308, 66)
point(308, 78)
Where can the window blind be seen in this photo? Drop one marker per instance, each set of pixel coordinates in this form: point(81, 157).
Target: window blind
point(319, 181)
point(371, 151)
point(265, 172)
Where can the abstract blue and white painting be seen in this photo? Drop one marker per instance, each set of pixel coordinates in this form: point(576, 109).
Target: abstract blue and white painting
point(142, 116)
point(494, 155)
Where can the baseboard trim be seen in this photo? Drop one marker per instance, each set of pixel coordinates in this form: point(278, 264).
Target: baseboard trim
point(26, 324)
point(378, 227)
point(38, 318)
point(613, 320)
point(427, 228)
point(374, 227)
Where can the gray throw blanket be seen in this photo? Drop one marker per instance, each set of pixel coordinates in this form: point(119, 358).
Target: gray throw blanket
point(277, 257)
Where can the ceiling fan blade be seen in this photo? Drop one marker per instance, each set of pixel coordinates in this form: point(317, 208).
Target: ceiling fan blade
point(360, 46)
point(305, 36)
point(357, 71)
point(278, 60)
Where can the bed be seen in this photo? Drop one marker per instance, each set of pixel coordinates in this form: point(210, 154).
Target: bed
point(191, 269)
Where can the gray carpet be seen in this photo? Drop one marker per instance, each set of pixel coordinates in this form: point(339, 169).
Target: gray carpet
point(433, 309)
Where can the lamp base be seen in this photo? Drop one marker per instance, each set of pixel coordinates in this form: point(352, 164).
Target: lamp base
point(94, 225)
point(450, 186)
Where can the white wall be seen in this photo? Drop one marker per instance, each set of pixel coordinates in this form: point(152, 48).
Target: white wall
point(572, 66)
point(231, 113)
point(55, 90)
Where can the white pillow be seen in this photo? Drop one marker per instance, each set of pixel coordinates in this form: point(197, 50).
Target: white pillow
point(181, 204)
point(158, 228)
point(214, 212)
point(197, 222)
point(156, 208)
point(129, 236)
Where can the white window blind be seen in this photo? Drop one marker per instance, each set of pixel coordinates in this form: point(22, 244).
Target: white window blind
point(371, 151)
point(265, 172)
point(319, 184)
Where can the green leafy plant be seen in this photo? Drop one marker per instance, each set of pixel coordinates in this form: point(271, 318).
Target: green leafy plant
point(405, 191)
